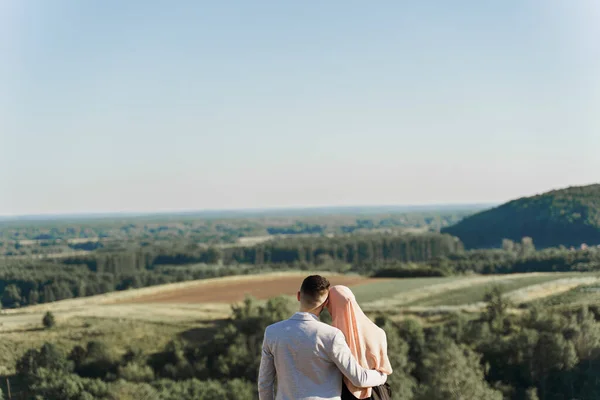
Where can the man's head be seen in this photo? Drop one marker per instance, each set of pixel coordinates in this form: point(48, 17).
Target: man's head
point(313, 294)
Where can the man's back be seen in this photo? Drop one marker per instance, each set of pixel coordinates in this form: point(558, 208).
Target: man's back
point(307, 357)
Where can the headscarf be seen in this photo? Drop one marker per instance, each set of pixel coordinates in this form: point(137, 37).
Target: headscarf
point(366, 340)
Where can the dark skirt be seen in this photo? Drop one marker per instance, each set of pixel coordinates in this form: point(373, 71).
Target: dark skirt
point(383, 392)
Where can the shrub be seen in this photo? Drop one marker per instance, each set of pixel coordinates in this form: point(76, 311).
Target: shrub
point(49, 321)
point(135, 372)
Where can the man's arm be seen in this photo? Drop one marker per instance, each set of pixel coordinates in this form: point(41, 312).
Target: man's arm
point(266, 373)
point(347, 364)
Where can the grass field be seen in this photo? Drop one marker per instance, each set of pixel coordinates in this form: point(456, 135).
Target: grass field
point(584, 294)
point(210, 298)
point(454, 292)
point(119, 334)
point(384, 288)
point(476, 293)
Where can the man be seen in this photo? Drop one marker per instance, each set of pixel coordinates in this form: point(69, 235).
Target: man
point(308, 357)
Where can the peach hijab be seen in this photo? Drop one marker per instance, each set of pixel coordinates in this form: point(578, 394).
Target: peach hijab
point(366, 340)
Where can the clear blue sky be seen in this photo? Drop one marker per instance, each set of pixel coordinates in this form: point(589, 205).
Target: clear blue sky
point(134, 105)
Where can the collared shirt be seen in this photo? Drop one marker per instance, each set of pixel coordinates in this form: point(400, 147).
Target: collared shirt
point(303, 313)
point(308, 359)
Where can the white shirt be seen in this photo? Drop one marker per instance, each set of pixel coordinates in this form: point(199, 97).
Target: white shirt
point(308, 358)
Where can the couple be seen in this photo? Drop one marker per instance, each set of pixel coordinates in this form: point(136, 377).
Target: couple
point(314, 361)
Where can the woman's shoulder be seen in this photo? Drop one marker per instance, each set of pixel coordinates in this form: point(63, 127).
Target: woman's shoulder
point(381, 332)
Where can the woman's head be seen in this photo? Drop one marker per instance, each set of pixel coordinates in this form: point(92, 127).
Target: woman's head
point(340, 297)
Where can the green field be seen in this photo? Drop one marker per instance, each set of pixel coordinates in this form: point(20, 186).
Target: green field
point(476, 293)
point(390, 287)
point(586, 294)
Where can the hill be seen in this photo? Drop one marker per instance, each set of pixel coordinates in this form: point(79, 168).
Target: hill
point(566, 217)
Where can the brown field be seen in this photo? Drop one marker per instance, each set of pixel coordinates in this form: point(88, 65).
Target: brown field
point(201, 300)
point(260, 287)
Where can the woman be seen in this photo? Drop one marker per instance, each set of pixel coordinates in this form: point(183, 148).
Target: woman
point(366, 340)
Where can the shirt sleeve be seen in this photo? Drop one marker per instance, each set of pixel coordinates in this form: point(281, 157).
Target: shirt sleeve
point(347, 364)
point(266, 373)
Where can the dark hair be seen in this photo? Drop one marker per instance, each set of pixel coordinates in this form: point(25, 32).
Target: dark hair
point(313, 287)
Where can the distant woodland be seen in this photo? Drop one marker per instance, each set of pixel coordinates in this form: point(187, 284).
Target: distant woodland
point(567, 217)
point(57, 237)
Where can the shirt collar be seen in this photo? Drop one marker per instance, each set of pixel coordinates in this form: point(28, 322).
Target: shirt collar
point(305, 316)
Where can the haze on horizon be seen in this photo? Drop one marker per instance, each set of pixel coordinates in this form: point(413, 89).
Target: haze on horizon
point(144, 106)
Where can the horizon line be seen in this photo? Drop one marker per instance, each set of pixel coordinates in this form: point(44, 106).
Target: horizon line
point(98, 214)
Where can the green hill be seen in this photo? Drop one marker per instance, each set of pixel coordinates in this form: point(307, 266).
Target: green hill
point(567, 217)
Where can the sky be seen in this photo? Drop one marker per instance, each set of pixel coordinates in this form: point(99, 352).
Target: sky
point(141, 106)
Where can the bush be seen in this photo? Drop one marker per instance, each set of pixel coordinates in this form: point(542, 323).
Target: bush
point(194, 389)
point(49, 321)
point(135, 372)
point(48, 357)
point(95, 361)
point(51, 385)
point(133, 391)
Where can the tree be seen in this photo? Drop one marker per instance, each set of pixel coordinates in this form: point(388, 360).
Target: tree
point(552, 354)
point(531, 394)
point(214, 255)
point(411, 331)
point(55, 385)
point(11, 297)
point(496, 308)
point(191, 389)
point(135, 372)
point(402, 382)
point(77, 356)
point(454, 373)
point(49, 321)
point(97, 362)
point(527, 246)
point(33, 297)
point(508, 245)
point(48, 357)
point(133, 391)
point(585, 333)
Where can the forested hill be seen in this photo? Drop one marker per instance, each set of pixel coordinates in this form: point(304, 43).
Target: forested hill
point(566, 217)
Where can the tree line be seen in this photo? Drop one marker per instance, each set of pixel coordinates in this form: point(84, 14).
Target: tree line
point(512, 258)
point(28, 282)
point(24, 283)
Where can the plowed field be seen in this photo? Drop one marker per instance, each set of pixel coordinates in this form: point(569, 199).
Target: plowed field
point(230, 291)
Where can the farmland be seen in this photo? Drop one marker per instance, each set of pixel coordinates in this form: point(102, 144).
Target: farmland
point(234, 290)
point(210, 299)
point(149, 319)
point(508, 284)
